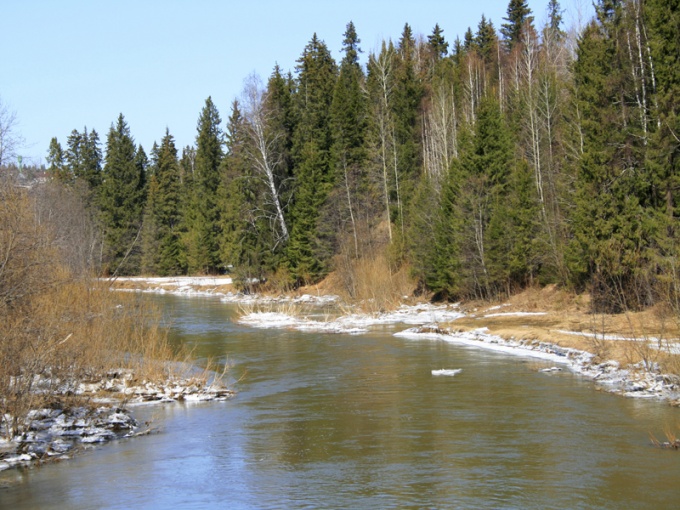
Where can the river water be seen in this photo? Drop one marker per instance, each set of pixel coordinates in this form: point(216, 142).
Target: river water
point(342, 421)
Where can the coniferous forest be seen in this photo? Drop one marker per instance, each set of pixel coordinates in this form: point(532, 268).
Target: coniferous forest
point(514, 155)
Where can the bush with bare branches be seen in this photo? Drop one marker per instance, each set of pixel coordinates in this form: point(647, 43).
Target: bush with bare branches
point(60, 327)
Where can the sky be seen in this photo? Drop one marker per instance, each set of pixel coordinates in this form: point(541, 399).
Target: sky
point(71, 64)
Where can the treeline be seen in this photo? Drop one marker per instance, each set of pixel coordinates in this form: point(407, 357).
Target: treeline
point(511, 157)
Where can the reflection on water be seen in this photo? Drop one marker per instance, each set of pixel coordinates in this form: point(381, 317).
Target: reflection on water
point(335, 421)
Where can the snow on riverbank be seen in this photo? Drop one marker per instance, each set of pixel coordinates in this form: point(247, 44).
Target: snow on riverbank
point(631, 381)
point(211, 286)
point(355, 323)
point(54, 433)
point(635, 381)
point(179, 281)
point(179, 285)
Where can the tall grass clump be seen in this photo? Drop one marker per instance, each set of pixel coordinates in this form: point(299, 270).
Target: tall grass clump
point(372, 282)
point(60, 326)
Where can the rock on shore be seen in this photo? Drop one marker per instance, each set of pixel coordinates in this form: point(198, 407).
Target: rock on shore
point(54, 433)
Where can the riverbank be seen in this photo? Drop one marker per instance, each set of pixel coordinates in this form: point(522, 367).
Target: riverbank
point(96, 412)
point(634, 354)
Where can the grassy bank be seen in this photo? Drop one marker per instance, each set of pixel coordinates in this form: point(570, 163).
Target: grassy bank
point(60, 327)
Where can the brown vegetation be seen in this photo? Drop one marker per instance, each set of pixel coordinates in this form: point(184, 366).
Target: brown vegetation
point(647, 336)
point(59, 327)
point(372, 283)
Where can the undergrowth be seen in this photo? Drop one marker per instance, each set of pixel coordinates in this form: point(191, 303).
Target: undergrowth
point(61, 326)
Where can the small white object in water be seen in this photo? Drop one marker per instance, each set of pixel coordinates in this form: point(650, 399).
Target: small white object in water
point(449, 372)
point(551, 369)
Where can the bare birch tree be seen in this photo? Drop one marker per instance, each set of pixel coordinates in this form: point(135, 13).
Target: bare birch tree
point(440, 133)
point(264, 156)
point(381, 67)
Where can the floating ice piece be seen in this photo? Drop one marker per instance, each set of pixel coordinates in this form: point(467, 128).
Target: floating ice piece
point(447, 371)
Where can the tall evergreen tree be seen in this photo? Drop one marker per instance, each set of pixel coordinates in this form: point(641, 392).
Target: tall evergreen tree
point(473, 234)
point(437, 44)
point(519, 14)
point(121, 201)
point(349, 125)
point(407, 95)
point(486, 40)
point(57, 166)
point(245, 236)
point(555, 12)
point(161, 236)
point(84, 158)
point(201, 238)
point(468, 39)
point(611, 222)
point(308, 248)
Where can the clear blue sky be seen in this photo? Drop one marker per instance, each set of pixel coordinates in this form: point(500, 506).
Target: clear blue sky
point(69, 64)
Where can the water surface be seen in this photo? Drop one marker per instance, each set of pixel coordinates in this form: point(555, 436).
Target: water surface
point(341, 421)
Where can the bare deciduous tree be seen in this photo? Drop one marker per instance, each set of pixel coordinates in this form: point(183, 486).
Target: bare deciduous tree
point(10, 140)
point(262, 150)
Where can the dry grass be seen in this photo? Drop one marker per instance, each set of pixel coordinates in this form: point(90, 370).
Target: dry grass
point(59, 326)
point(371, 283)
point(652, 333)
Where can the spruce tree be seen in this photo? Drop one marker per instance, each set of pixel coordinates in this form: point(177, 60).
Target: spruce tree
point(121, 201)
point(245, 236)
point(201, 238)
point(84, 158)
point(408, 93)
point(474, 234)
point(468, 39)
point(349, 122)
point(437, 44)
point(57, 168)
point(519, 14)
point(161, 243)
point(308, 250)
point(611, 221)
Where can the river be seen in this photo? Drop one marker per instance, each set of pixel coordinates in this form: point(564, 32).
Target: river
point(359, 421)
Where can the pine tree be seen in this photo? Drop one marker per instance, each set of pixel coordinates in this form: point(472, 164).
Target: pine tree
point(121, 201)
point(201, 238)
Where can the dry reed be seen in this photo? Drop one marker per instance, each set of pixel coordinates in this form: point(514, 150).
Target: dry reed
point(61, 327)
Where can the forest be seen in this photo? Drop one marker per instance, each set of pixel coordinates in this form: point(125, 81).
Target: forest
point(516, 156)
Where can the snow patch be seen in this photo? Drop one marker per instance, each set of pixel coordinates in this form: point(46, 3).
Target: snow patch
point(447, 372)
point(355, 323)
